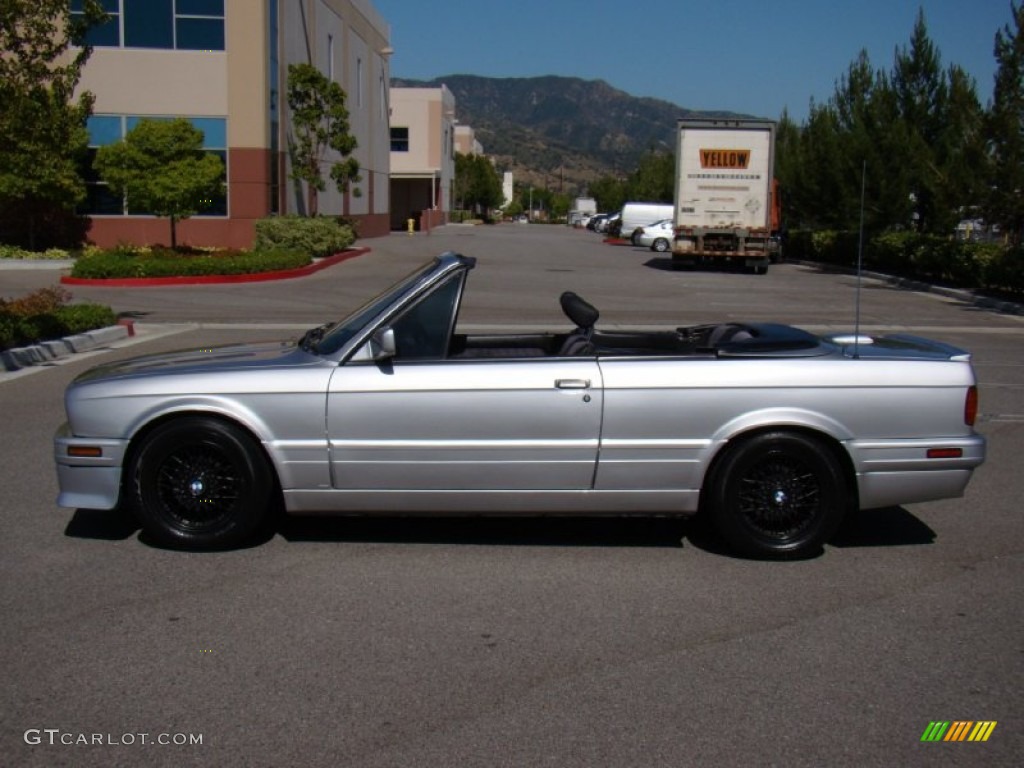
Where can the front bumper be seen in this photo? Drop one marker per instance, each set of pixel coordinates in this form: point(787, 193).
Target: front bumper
point(88, 481)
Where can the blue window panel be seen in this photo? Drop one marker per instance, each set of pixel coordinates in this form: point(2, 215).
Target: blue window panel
point(200, 7)
point(200, 34)
point(103, 130)
point(215, 131)
point(106, 34)
point(149, 23)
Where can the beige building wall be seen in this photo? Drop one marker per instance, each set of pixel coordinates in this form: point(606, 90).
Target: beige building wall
point(422, 178)
point(346, 39)
point(465, 141)
point(350, 42)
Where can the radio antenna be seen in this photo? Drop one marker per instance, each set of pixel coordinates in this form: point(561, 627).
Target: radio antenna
point(860, 260)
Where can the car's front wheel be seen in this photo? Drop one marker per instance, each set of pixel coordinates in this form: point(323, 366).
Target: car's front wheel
point(778, 495)
point(199, 482)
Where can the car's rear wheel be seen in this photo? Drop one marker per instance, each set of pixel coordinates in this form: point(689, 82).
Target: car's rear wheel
point(199, 482)
point(778, 495)
point(660, 245)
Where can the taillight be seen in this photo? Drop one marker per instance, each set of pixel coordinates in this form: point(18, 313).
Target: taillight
point(971, 406)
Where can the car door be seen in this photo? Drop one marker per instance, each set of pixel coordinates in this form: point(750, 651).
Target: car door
point(423, 421)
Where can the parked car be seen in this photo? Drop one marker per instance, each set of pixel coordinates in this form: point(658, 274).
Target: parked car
point(656, 236)
point(613, 227)
point(597, 222)
point(637, 215)
point(772, 432)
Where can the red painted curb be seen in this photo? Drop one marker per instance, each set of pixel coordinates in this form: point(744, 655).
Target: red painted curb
point(253, 277)
point(616, 241)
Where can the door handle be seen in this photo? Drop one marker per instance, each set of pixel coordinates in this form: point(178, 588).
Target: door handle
point(572, 383)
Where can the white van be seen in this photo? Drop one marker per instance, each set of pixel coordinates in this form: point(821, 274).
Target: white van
point(637, 215)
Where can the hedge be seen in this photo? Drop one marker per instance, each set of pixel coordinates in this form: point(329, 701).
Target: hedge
point(984, 267)
point(14, 252)
point(318, 236)
point(164, 262)
point(44, 315)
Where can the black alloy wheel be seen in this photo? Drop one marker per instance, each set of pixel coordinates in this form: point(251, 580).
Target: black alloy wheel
point(199, 482)
point(778, 495)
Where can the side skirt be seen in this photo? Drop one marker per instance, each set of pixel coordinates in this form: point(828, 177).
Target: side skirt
point(333, 502)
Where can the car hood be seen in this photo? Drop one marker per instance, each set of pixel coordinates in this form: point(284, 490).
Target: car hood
point(237, 357)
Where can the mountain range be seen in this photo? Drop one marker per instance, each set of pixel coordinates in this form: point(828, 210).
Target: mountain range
point(560, 132)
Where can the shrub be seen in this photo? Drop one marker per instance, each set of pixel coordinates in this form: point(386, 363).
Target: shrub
point(1003, 269)
point(14, 252)
point(37, 302)
point(318, 236)
point(164, 262)
point(79, 318)
point(8, 330)
point(45, 314)
point(990, 267)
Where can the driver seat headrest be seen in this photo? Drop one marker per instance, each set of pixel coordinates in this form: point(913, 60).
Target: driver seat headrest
point(581, 312)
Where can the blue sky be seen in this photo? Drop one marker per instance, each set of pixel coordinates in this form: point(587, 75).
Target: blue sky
point(738, 55)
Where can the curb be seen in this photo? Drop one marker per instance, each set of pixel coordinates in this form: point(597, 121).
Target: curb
point(253, 277)
point(48, 351)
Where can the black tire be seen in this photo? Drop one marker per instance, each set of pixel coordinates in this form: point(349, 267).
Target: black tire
point(660, 245)
point(635, 237)
point(778, 495)
point(200, 483)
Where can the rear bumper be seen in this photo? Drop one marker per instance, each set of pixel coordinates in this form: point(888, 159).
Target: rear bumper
point(88, 482)
point(894, 472)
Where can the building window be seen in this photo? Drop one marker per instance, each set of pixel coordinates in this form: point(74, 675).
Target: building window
point(149, 23)
point(188, 25)
point(399, 139)
point(199, 25)
point(109, 32)
point(108, 129)
point(359, 82)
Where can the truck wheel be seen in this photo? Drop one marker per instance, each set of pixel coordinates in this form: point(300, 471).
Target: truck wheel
point(660, 245)
point(200, 483)
point(778, 495)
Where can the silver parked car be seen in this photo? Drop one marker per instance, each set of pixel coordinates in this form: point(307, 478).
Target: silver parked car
point(657, 236)
point(772, 432)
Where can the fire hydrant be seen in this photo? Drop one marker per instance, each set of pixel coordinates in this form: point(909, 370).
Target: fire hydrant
point(411, 224)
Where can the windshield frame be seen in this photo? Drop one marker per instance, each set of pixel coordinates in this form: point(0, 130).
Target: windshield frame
point(343, 338)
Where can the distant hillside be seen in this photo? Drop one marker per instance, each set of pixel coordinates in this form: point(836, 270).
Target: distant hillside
point(561, 132)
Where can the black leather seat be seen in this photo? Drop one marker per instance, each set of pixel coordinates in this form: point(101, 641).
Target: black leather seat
point(584, 316)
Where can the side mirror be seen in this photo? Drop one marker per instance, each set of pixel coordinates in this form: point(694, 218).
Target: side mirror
point(382, 344)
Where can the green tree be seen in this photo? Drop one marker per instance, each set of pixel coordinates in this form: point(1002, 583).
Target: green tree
point(42, 123)
point(560, 205)
point(477, 185)
point(161, 168)
point(654, 179)
point(788, 168)
point(922, 96)
point(1005, 131)
point(609, 193)
point(961, 153)
point(825, 201)
point(320, 125)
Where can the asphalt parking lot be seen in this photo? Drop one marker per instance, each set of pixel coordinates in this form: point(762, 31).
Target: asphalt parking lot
point(475, 642)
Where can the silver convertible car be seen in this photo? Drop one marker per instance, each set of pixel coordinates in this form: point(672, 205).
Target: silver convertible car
point(772, 432)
